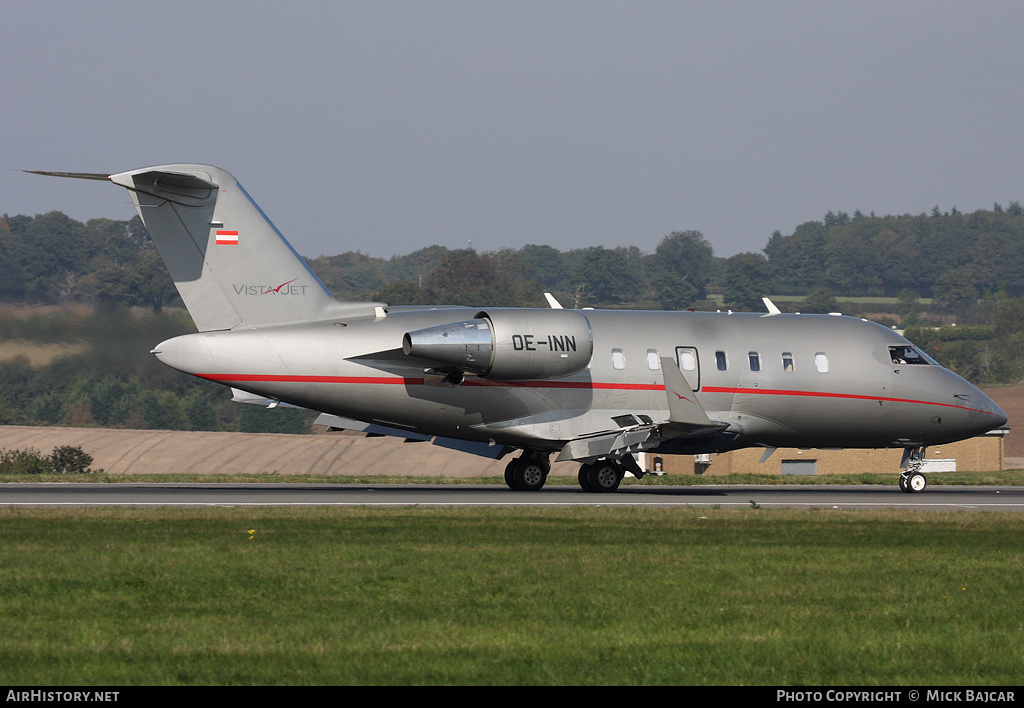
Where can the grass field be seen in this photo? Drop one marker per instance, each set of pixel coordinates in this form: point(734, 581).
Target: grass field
point(492, 596)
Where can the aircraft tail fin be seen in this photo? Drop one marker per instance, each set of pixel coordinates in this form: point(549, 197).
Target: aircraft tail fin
point(230, 264)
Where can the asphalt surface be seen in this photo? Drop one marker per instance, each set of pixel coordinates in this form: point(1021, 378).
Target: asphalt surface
point(935, 498)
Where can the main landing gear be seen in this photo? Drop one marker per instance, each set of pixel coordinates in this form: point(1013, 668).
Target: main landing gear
point(912, 480)
point(529, 472)
point(601, 476)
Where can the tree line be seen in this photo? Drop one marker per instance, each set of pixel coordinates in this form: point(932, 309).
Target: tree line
point(104, 376)
point(951, 257)
point(53, 258)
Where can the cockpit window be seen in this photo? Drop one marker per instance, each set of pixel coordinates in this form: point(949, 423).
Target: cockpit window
point(907, 355)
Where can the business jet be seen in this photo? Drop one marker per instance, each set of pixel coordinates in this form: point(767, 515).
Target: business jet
point(593, 386)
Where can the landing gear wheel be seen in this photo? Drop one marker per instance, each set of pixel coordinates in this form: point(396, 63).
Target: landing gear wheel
point(584, 478)
point(916, 483)
point(530, 475)
point(912, 481)
point(510, 478)
point(526, 474)
point(604, 476)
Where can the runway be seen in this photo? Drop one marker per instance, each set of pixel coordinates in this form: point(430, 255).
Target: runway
point(935, 498)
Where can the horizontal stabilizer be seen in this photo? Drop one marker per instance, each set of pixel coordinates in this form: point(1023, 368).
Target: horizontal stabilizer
point(72, 175)
point(177, 187)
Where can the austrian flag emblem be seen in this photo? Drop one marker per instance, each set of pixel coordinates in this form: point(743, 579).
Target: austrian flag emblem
point(227, 238)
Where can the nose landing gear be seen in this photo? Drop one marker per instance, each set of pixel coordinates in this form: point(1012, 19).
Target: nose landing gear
point(912, 480)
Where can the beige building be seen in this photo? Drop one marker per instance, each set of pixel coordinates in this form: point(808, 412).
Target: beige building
point(980, 454)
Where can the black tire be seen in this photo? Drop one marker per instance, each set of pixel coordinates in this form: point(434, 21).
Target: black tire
point(510, 477)
point(584, 478)
point(604, 476)
point(903, 484)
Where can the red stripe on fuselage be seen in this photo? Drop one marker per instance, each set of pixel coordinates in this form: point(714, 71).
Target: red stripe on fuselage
point(592, 385)
point(825, 394)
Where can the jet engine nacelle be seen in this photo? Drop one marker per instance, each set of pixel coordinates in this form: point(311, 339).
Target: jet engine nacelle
point(509, 344)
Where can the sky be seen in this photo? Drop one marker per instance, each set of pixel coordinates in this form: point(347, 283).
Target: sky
point(386, 126)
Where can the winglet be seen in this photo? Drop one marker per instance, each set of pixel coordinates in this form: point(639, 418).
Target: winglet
point(772, 308)
point(555, 305)
point(683, 406)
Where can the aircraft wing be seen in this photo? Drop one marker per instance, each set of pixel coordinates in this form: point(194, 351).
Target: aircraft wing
point(687, 418)
point(373, 430)
point(240, 396)
point(618, 442)
point(336, 422)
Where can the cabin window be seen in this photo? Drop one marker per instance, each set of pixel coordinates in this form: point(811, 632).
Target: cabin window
point(755, 361)
point(618, 359)
point(653, 362)
point(787, 362)
point(687, 360)
point(821, 362)
point(721, 361)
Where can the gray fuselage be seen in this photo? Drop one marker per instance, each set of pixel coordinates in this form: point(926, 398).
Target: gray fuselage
point(775, 380)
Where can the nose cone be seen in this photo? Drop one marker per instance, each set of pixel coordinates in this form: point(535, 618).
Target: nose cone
point(997, 416)
point(985, 414)
point(967, 411)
